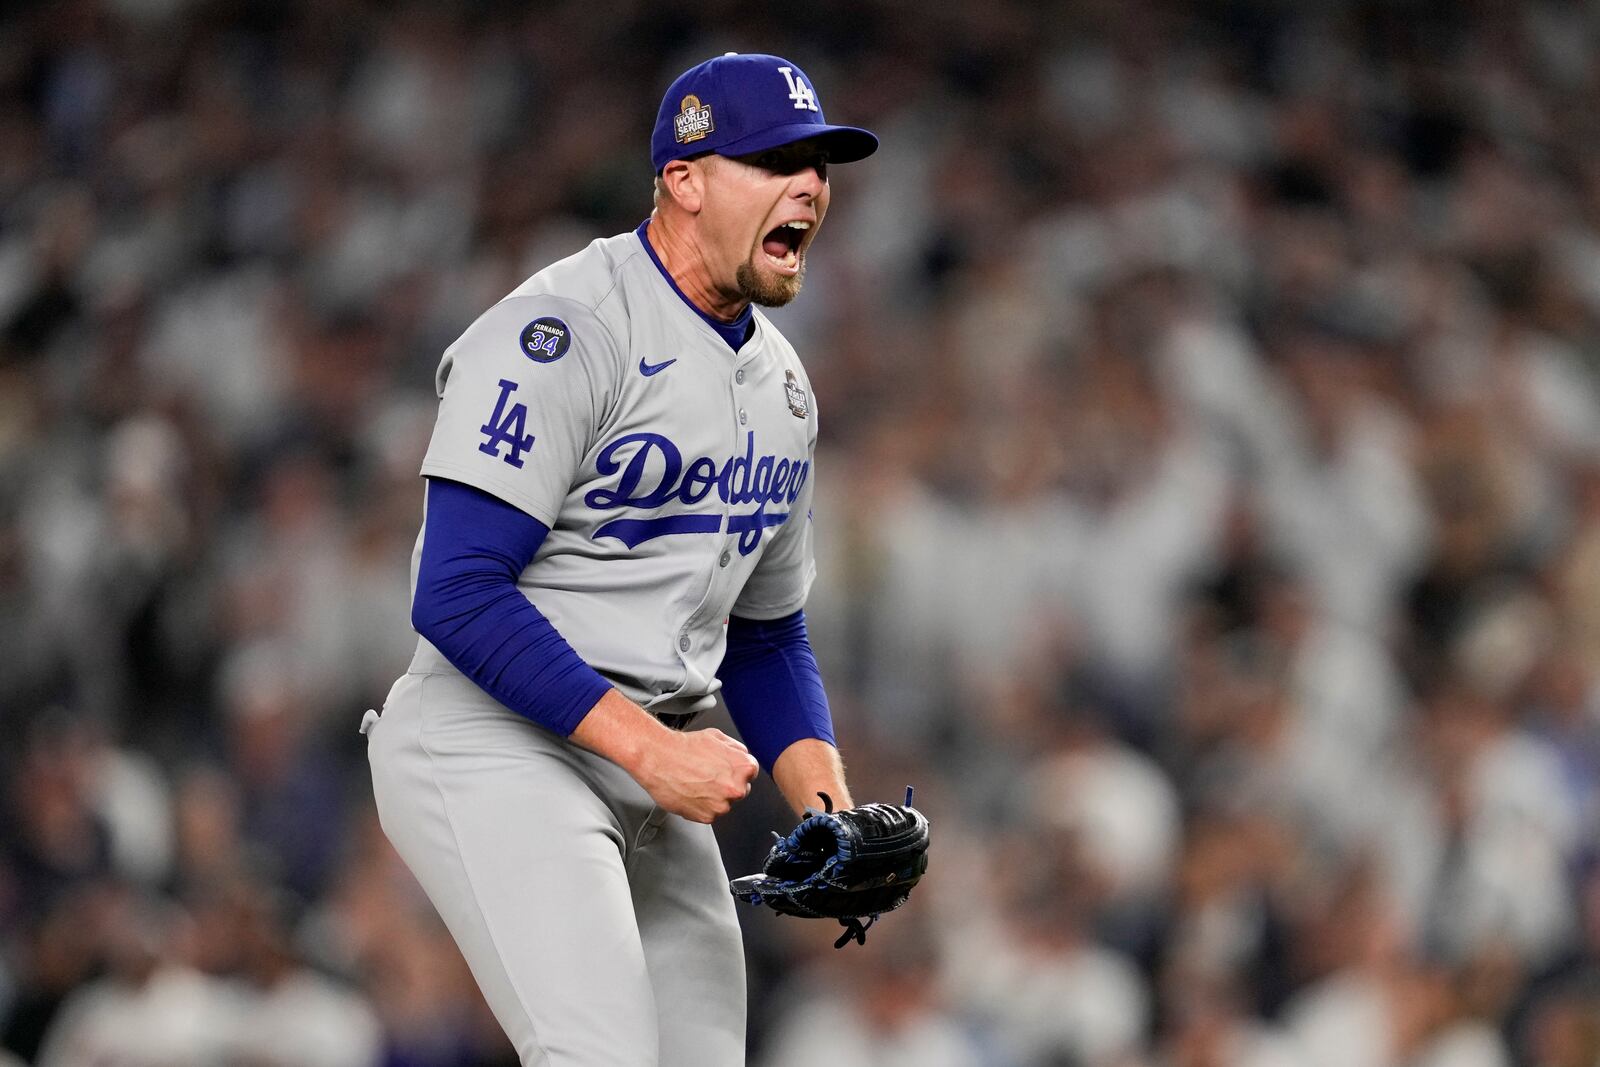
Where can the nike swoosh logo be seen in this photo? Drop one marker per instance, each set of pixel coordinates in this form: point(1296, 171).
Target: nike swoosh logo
point(648, 369)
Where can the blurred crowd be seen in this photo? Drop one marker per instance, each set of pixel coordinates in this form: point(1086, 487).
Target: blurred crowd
point(1209, 513)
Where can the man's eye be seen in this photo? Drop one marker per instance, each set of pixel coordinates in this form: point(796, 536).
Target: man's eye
point(769, 160)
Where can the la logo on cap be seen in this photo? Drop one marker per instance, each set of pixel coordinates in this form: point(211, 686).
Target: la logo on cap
point(693, 120)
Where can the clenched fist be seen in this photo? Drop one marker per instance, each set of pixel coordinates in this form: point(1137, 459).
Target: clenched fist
point(698, 774)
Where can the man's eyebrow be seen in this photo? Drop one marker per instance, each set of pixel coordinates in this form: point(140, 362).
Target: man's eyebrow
point(804, 157)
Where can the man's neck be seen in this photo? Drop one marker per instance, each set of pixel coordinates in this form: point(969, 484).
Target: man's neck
point(680, 255)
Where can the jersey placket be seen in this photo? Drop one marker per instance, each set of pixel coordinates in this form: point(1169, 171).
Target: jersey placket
point(696, 632)
point(700, 628)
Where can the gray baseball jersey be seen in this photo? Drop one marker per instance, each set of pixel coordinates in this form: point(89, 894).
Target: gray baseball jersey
point(673, 472)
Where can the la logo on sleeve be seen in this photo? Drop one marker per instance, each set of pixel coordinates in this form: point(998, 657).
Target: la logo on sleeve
point(507, 427)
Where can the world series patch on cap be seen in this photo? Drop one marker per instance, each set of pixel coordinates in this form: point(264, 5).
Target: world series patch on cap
point(693, 121)
point(741, 103)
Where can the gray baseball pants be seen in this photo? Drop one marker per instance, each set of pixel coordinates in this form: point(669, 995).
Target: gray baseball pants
point(599, 927)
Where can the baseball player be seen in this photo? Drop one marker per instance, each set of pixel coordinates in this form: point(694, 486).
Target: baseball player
point(617, 524)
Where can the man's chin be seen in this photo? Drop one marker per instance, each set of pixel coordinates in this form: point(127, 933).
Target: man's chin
point(770, 290)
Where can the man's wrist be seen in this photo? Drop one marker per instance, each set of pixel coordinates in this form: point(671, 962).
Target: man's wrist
point(807, 768)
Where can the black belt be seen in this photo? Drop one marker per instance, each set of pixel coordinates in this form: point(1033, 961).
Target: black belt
point(688, 709)
point(676, 722)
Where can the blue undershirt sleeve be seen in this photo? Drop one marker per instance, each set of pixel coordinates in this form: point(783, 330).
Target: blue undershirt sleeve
point(474, 548)
point(772, 686)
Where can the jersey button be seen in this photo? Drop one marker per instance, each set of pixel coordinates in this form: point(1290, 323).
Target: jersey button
point(742, 417)
point(726, 556)
point(683, 643)
point(739, 377)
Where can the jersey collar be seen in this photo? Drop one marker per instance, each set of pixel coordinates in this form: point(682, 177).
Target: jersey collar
point(735, 333)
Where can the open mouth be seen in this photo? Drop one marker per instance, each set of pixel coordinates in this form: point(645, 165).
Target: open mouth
point(782, 245)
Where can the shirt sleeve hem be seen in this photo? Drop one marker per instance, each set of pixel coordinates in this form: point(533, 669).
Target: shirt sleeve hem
point(503, 490)
point(766, 611)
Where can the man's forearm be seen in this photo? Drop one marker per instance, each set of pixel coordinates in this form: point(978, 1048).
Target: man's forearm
point(809, 767)
point(621, 731)
point(697, 774)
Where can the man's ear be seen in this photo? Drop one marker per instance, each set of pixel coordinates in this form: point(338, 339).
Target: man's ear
point(685, 183)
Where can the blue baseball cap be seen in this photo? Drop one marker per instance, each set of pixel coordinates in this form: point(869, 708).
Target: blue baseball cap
point(740, 103)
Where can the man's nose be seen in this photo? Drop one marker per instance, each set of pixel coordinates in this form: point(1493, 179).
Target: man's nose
point(807, 183)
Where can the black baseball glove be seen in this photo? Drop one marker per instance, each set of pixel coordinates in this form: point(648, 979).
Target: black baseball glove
point(850, 865)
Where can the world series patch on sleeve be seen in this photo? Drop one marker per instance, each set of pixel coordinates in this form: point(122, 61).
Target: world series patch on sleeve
point(850, 865)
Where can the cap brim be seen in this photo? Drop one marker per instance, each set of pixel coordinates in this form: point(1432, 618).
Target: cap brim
point(844, 144)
